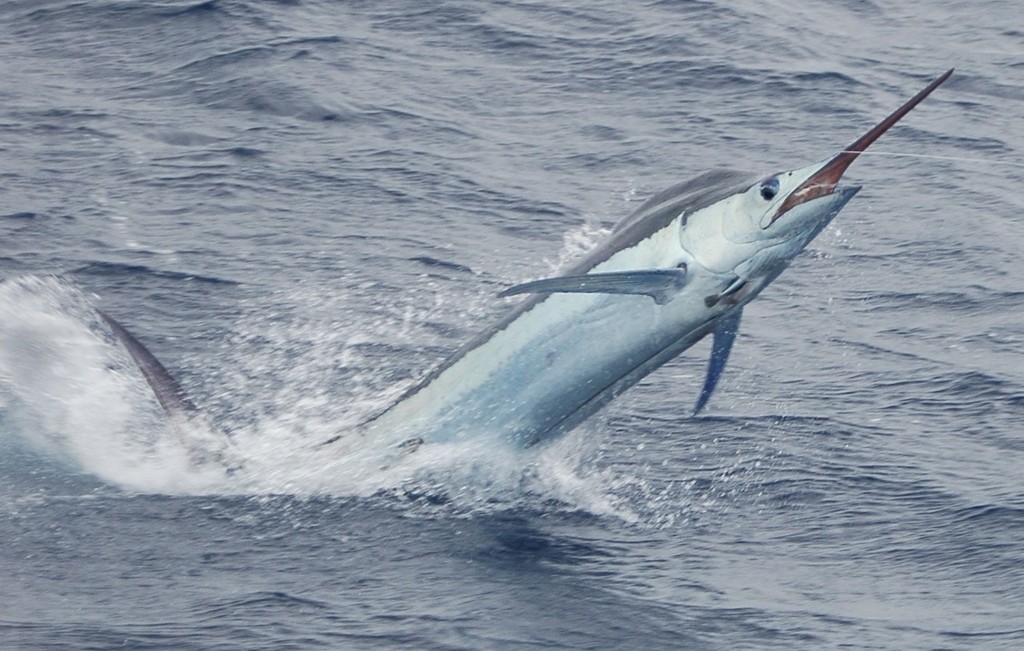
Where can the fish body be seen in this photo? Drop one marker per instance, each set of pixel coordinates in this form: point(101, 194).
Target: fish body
point(678, 269)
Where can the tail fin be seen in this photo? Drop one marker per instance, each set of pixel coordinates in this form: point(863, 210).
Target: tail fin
point(169, 392)
point(171, 396)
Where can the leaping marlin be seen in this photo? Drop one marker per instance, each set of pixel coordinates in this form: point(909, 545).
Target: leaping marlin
point(682, 266)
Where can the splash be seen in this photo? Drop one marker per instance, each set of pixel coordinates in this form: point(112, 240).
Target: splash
point(71, 395)
point(296, 373)
point(576, 243)
point(69, 392)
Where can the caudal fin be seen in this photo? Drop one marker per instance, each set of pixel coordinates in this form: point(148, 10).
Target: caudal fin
point(173, 398)
point(169, 392)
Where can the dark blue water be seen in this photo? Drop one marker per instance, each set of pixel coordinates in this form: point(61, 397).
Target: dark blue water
point(302, 206)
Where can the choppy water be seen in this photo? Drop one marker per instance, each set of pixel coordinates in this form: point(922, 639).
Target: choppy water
point(303, 205)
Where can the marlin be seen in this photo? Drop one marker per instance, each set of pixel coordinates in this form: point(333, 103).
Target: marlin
point(678, 269)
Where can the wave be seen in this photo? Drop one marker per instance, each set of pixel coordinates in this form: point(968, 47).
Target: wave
point(100, 268)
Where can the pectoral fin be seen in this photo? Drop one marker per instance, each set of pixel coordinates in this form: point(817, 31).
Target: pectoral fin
point(724, 336)
point(660, 284)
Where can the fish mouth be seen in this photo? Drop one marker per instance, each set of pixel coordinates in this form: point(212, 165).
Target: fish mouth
point(824, 181)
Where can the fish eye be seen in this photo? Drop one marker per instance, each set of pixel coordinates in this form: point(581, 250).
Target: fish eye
point(769, 188)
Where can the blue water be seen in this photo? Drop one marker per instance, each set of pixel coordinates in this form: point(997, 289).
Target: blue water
point(302, 206)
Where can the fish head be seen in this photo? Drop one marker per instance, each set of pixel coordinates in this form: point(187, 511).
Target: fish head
point(780, 207)
point(775, 218)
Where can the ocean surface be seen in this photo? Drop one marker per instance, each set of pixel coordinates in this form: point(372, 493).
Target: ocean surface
point(302, 206)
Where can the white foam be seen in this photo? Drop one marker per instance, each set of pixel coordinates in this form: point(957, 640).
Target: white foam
point(73, 396)
point(70, 391)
